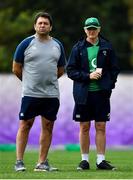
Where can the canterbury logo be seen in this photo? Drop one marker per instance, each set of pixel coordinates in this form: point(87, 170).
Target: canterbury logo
point(105, 53)
point(77, 115)
point(21, 114)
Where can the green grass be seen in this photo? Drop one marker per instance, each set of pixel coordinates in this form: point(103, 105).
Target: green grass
point(67, 162)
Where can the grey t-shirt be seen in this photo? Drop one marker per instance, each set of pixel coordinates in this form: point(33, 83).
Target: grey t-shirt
point(40, 62)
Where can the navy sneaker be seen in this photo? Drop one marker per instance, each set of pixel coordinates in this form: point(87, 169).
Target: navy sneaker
point(83, 165)
point(105, 165)
point(44, 166)
point(19, 166)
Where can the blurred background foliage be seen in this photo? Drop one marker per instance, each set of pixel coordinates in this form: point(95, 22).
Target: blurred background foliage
point(16, 23)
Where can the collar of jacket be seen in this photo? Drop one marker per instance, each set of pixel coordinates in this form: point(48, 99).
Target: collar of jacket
point(104, 44)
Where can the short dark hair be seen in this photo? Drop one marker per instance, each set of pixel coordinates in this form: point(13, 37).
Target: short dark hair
point(45, 15)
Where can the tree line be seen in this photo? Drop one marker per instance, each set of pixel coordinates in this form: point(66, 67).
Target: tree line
point(16, 23)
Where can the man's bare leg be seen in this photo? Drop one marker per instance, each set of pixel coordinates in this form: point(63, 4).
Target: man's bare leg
point(45, 139)
point(100, 140)
point(22, 137)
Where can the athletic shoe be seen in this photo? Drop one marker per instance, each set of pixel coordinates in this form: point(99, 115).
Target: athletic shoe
point(19, 166)
point(83, 165)
point(44, 166)
point(105, 165)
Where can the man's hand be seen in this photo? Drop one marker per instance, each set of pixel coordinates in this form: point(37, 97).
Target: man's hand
point(95, 75)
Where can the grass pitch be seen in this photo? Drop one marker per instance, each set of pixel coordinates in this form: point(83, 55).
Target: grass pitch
point(67, 162)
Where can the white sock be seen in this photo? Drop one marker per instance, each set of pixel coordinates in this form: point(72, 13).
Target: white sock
point(100, 158)
point(85, 157)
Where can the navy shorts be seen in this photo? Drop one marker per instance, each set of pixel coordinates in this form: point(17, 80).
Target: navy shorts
point(32, 107)
point(97, 107)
